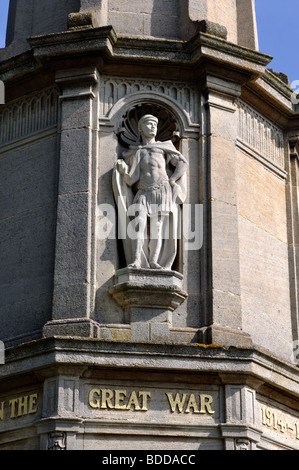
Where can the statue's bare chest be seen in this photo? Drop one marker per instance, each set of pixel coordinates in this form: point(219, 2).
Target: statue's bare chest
point(152, 158)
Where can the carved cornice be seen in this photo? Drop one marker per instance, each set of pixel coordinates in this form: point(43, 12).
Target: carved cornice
point(107, 47)
point(57, 352)
point(106, 39)
point(110, 53)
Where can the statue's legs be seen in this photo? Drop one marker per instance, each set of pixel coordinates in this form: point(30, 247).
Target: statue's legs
point(160, 247)
point(156, 227)
point(164, 240)
point(172, 235)
point(140, 223)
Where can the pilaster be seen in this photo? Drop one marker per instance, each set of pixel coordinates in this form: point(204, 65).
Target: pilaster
point(240, 429)
point(293, 231)
point(220, 253)
point(75, 246)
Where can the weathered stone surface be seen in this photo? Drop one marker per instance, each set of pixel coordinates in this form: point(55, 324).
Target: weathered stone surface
point(175, 19)
point(32, 18)
point(247, 27)
point(214, 29)
point(107, 374)
point(224, 14)
point(265, 290)
point(222, 287)
point(82, 19)
point(81, 328)
point(151, 18)
point(28, 219)
point(262, 198)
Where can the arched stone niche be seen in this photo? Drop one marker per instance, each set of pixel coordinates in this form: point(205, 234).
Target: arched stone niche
point(118, 130)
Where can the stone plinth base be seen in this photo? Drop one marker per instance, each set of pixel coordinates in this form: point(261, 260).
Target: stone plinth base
point(148, 297)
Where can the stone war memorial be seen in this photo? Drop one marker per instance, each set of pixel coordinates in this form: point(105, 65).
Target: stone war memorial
point(149, 197)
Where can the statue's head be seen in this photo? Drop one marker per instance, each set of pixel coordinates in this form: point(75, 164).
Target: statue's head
point(148, 126)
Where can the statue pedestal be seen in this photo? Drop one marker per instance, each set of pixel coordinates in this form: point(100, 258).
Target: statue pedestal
point(148, 297)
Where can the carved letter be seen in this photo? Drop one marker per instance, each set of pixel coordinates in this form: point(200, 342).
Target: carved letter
point(206, 402)
point(192, 404)
point(176, 402)
point(91, 401)
point(120, 396)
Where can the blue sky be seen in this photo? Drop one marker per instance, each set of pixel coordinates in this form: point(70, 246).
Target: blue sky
point(278, 28)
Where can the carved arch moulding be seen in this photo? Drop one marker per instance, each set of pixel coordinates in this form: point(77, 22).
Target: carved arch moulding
point(118, 96)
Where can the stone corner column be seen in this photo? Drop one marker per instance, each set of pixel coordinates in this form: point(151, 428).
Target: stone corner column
point(292, 194)
point(74, 276)
point(221, 285)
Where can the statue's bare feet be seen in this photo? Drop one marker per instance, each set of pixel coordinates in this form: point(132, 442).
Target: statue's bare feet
point(135, 265)
point(155, 266)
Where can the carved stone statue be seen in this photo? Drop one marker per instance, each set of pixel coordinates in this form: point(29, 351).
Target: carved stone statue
point(149, 187)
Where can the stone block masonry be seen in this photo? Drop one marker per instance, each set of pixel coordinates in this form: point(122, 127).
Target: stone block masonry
point(109, 346)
